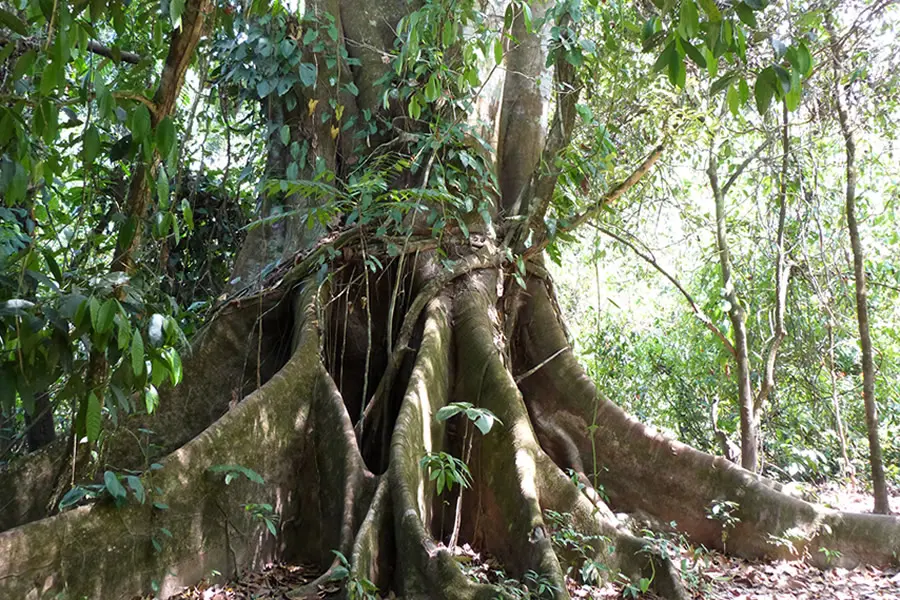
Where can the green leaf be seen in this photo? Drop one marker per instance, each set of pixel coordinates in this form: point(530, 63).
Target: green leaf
point(13, 22)
point(91, 143)
point(484, 422)
point(805, 60)
point(784, 78)
point(734, 100)
point(162, 187)
point(764, 89)
point(694, 54)
point(285, 134)
point(113, 485)
point(711, 10)
point(165, 136)
point(72, 497)
point(105, 315)
point(176, 9)
point(151, 399)
point(744, 91)
point(188, 213)
point(722, 83)
point(173, 360)
point(664, 59)
point(137, 487)
point(745, 14)
point(287, 48)
point(447, 412)
point(52, 265)
point(415, 109)
point(432, 88)
point(792, 99)
point(137, 353)
point(140, 123)
point(308, 74)
point(689, 19)
point(677, 72)
point(93, 420)
point(498, 50)
point(94, 307)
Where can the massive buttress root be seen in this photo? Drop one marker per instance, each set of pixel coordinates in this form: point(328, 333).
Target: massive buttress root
point(646, 472)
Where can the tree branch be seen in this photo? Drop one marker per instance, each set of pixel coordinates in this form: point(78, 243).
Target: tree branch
point(542, 184)
point(698, 312)
point(782, 274)
point(617, 191)
point(611, 196)
point(737, 172)
point(99, 49)
point(113, 53)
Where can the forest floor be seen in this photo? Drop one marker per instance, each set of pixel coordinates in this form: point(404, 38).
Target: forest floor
point(708, 575)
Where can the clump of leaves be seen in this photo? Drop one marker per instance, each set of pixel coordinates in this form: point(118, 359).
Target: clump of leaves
point(264, 513)
point(234, 471)
point(358, 588)
point(446, 470)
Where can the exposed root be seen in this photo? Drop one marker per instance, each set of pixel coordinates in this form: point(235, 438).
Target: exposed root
point(296, 432)
point(423, 567)
point(224, 353)
point(520, 480)
point(644, 471)
point(97, 551)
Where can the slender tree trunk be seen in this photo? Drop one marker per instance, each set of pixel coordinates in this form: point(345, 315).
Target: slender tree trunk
point(879, 486)
point(749, 425)
point(183, 43)
point(846, 465)
point(782, 272)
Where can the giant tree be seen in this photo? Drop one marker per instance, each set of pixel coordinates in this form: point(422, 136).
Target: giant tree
point(392, 288)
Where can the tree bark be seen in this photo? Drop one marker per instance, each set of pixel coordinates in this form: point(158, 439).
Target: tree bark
point(182, 45)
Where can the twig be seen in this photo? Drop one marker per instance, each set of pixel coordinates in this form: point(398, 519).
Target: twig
point(702, 316)
point(540, 365)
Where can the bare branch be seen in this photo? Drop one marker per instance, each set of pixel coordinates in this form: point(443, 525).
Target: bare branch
point(782, 272)
point(651, 260)
point(737, 172)
point(94, 47)
point(113, 53)
point(617, 191)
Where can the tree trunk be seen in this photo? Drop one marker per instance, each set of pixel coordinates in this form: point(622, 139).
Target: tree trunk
point(879, 487)
point(749, 424)
point(292, 378)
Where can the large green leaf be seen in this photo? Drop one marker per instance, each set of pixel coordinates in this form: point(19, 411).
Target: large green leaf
point(113, 485)
point(140, 123)
point(764, 89)
point(93, 419)
point(13, 22)
point(165, 136)
point(137, 353)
